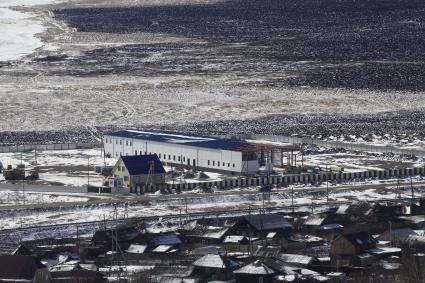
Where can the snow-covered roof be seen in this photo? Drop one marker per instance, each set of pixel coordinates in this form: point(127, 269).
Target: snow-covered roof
point(263, 222)
point(178, 138)
point(383, 250)
point(256, 267)
point(162, 248)
point(332, 226)
point(234, 239)
point(314, 220)
point(215, 261)
point(215, 233)
point(136, 249)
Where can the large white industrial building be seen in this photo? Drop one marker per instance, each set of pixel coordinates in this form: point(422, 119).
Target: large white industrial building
point(203, 153)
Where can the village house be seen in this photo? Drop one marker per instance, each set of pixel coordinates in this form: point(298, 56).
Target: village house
point(215, 267)
point(256, 272)
point(345, 247)
point(396, 236)
point(139, 170)
point(259, 225)
point(22, 268)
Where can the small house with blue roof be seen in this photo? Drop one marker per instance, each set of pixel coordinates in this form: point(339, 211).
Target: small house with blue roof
point(139, 170)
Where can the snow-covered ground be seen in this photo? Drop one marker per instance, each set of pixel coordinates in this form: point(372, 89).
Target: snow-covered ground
point(67, 167)
point(165, 206)
point(19, 30)
point(356, 162)
point(18, 34)
point(71, 167)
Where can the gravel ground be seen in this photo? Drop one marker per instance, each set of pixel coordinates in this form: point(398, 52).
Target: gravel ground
point(321, 68)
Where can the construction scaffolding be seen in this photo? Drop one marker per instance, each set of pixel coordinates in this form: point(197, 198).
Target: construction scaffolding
point(287, 156)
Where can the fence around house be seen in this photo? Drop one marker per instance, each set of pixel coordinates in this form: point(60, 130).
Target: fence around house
point(284, 180)
point(54, 146)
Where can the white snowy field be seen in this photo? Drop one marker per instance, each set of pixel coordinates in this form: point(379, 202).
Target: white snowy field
point(67, 167)
point(18, 34)
point(158, 207)
point(71, 167)
point(19, 30)
point(352, 162)
point(20, 198)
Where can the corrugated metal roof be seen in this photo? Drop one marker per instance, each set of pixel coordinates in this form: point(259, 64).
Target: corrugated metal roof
point(267, 251)
point(141, 164)
point(164, 239)
point(178, 138)
point(296, 259)
point(268, 221)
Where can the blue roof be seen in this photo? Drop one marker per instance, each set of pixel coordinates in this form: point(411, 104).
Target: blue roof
point(178, 138)
point(140, 164)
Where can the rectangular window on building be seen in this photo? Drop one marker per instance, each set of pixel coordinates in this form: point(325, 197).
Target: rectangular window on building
point(224, 164)
point(126, 178)
point(169, 157)
point(178, 158)
point(208, 162)
point(159, 156)
point(184, 159)
point(135, 152)
point(228, 164)
point(193, 162)
point(174, 157)
point(233, 165)
point(213, 163)
point(126, 143)
point(218, 163)
point(116, 141)
point(120, 142)
point(131, 143)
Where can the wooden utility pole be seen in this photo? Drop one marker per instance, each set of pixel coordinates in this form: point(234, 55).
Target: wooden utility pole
point(88, 171)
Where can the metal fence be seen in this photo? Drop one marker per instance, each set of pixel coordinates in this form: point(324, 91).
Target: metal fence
point(55, 146)
point(284, 180)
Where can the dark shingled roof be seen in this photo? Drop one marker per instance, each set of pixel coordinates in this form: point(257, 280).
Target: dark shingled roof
point(19, 267)
point(140, 164)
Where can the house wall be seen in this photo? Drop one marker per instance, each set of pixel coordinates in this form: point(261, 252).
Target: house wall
point(341, 246)
point(252, 278)
point(123, 174)
point(179, 154)
point(141, 180)
point(42, 275)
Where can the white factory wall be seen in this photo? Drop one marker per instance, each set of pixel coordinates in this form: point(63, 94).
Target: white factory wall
point(177, 154)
